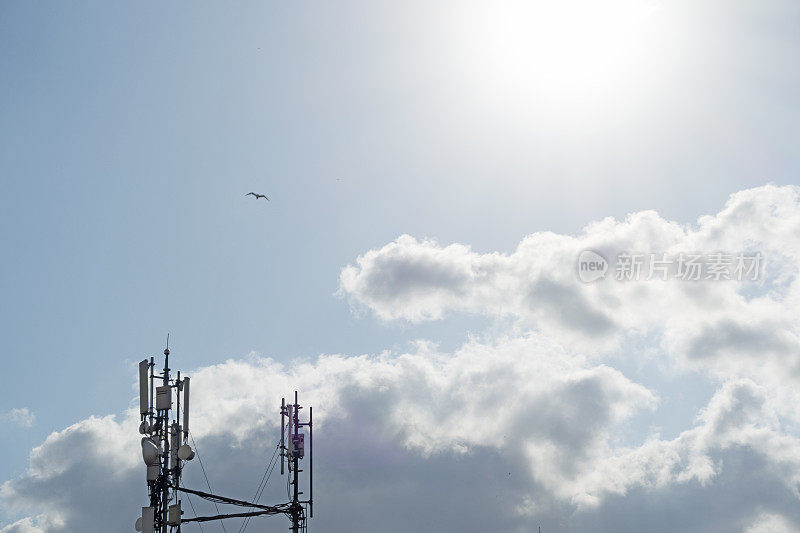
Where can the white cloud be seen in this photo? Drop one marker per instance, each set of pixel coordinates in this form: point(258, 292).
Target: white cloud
point(404, 428)
point(508, 430)
point(22, 417)
point(523, 398)
point(771, 523)
point(38, 524)
point(730, 328)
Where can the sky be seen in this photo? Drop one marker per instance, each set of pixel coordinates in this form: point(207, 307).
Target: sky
point(434, 171)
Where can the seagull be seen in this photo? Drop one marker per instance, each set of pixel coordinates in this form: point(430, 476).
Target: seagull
point(257, 196)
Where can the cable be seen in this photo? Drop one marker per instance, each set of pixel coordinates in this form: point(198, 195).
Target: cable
point(188, 497)
point(260, 489)
point(205, 476)
point(262, 485)
point(274, 509)
point(221, 516)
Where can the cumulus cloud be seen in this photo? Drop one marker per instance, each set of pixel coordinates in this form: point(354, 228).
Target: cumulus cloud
point(516, 428)
point(505, 432)
point(524, 398)
point(77, 477)
point(22, 417)
point(38, 524)
point(771, 523)
point(732, 328)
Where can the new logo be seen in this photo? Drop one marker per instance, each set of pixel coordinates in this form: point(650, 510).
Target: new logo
point(591, 266)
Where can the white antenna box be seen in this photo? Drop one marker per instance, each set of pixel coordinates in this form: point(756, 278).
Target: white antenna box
point(163, 398)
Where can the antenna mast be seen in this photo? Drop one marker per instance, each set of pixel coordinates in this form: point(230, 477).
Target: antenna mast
point(165, 448)
point(292, 454)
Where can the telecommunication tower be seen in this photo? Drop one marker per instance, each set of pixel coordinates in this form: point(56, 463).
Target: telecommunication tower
point(165, 449)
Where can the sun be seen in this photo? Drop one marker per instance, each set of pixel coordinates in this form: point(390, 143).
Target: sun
point(557, 50)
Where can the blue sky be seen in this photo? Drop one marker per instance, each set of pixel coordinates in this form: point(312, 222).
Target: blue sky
point(130, 133)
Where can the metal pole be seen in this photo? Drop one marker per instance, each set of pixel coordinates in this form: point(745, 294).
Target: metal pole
point(175, 441)
point(295, 504)
point(164, 428)
point(311, 461)
point(155, 490)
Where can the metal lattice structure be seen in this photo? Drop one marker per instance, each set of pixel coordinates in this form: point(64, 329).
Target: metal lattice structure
point(166, 449)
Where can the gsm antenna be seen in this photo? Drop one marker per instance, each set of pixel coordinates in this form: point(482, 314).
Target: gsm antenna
point(165, 450)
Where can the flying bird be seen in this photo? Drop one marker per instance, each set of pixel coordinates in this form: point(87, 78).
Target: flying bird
point(257, 196)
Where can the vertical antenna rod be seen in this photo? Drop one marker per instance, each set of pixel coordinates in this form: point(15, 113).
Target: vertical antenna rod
point(311, 462)
point(283, 429)
point(295, 503)
point(166, 362)
point(165, 444)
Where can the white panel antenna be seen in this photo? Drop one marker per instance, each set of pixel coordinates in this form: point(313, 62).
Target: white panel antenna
point(174, 515)
point(163, 398)
point(144, 393)
point(186, 409)
point(290, 431)
point(148, 519)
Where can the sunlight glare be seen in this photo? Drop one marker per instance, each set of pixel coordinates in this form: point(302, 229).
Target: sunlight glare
point(561, 50)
